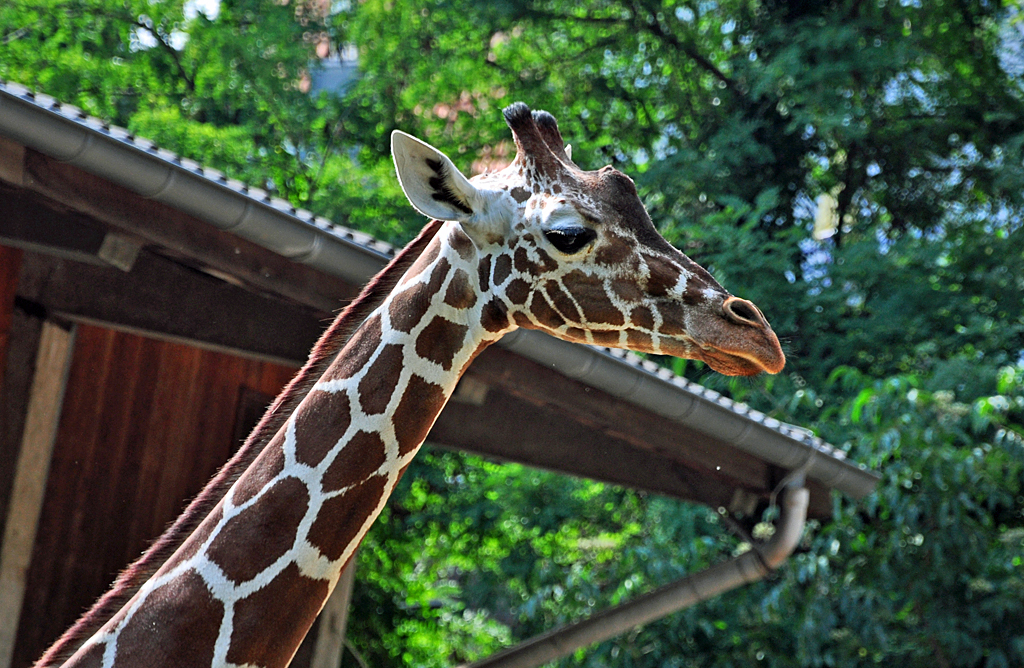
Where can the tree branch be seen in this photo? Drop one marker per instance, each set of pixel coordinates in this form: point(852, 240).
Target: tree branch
point(655, 28)
point(190, 83)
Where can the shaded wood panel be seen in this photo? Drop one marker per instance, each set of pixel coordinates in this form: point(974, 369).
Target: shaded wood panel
point(169, 300)
point(10, 266)
point(145, 424)
point(13, 381)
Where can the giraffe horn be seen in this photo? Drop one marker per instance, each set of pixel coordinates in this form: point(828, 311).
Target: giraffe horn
point(548, 127)
point(537, 137)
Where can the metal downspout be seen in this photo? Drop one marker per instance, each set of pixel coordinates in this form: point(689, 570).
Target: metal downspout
point(748, 567)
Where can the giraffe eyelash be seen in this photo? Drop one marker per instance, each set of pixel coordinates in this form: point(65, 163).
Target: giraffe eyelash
point(570, 240)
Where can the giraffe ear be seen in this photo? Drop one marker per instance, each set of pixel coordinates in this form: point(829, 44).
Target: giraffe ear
point(434, 186)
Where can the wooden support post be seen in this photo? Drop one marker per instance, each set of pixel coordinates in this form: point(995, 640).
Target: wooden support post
point(46, 397)
point(330, 640)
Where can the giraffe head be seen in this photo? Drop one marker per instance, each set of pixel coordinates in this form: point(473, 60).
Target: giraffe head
point(575, 254)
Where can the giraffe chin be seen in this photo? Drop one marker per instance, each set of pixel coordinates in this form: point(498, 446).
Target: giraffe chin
point(730, 362)
point(735, 365)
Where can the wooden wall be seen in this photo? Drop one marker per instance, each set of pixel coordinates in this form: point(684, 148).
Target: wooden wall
point(145, 424)
point(10, 263)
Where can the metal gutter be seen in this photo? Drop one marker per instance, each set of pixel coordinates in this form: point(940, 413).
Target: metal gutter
point(66, 133)
point(748, 567)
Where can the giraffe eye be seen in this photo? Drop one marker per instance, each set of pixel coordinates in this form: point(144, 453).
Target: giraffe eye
point(570, 240)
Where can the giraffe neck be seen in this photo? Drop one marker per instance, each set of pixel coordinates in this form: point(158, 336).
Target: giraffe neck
point(247, 584)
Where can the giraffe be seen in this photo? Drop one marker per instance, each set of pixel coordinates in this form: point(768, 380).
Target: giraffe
point(239, 578)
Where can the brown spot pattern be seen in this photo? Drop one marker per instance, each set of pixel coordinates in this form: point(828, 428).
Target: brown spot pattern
point(256, 537)
point(267, 633)
point(693, 294)
point(440, 341)
point(191, 546)
point(637, 340)
point(265, 468)
point(546, 315)
point(460, 293)
point(358, 460)
point(642, 317)
point(576, 334)
point(358, 349)
point(425, 259)
point(561, 301)
point(377, 386)
point(673, 319)
point(408, 307)
point(614, 253)
point(523, 320)
point(494, 316)
point(626, 290)
point(605, 337)
point(502, 268)
point(547, 263)
point(523, 263)
point(462, 244)
point(320, 422)
point(590, 295)
point(416, 412)
point(441, 270)
point(188, 617)
point(517, 291)
point(340, 518)
point(663, 275)
point(520, 194)
point(484, 273)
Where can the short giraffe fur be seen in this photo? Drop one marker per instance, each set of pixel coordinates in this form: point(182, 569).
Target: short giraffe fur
point(542, 244)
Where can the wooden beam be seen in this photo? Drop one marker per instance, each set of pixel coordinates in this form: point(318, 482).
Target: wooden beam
point(29, 225)
point(184, 237)
point(12, 161)
point(164, 299)
point(44, 409)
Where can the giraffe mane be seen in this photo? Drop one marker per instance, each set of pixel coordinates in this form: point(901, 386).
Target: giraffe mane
point(331, 342)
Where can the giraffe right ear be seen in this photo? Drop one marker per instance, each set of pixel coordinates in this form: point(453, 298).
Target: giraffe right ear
point(434, 186)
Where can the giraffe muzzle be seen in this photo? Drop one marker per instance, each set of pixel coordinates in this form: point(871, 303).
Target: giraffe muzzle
point(740, 342)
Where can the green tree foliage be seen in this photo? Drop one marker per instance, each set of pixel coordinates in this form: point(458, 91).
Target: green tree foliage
point(743, 122)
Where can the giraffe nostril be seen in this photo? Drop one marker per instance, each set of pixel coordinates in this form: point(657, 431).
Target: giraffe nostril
point(742, 312)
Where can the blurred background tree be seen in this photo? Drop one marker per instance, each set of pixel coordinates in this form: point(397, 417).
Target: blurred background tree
point(856, 167)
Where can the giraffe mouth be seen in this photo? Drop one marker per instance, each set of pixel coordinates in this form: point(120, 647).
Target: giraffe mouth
point(741, 363)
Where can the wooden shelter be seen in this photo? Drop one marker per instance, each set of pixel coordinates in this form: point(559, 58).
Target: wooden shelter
point(151, 308)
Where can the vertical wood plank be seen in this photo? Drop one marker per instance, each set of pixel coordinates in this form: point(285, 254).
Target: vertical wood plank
point(44, 408)
point(330, 640)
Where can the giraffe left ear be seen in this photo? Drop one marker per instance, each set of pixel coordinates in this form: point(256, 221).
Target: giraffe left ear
point(434, 186)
